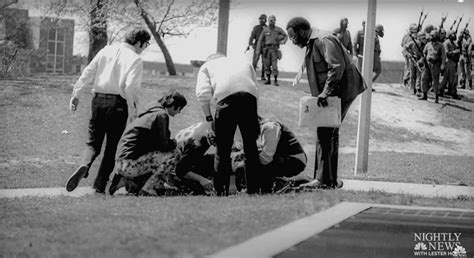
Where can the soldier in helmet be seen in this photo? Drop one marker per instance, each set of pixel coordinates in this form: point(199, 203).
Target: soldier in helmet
point(344, 35)
point(413, 30)
point(442, 35)
point(465, 41)
point(416, 67)
point(450, 74)
point(379, 32)
point(359, 45)
point(269, 45)
point(435, 55)
point(253, 40)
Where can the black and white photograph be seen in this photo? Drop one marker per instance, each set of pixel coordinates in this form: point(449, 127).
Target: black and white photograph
point(236, 128)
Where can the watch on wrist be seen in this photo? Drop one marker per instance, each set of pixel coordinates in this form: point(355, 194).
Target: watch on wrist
point(209, 119)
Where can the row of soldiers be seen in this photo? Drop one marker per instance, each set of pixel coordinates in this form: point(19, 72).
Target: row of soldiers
point(433, 54)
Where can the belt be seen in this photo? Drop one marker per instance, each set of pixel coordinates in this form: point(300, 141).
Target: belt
point(107, 96)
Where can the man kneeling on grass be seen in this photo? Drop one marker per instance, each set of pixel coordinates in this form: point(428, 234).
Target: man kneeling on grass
point(188, 168)
point(281, 156)
point(145, 147)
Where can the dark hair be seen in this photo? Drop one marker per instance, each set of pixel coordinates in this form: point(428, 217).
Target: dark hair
point(298, 24)
point(173, 98)
point(137, 35)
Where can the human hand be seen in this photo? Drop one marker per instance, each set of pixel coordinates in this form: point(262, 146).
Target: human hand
point(208, 186)
point(232, 186)
point(322, 100)
point(73, 103)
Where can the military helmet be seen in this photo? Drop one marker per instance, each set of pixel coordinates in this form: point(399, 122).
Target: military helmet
point(262, 16)
point(379, 27)
point(413, 28)
point(466, 31)
point(429, 28)
point(421, 35)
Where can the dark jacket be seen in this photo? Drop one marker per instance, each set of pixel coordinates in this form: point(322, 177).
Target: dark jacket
point(330, 69)
point(148, 133)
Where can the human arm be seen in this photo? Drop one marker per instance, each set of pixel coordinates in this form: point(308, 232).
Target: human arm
point(204, 94)
point(335, 60)
point(87, 77)
point(268, 141)
point(132, 86)
point(260, 43)
point(161, 129)
point(204, 182)
point(285, 36)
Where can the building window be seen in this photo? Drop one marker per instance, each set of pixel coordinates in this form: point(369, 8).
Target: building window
point(56, 50)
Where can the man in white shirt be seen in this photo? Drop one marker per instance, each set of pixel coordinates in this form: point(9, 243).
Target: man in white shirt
point(116, 74)
point(233, 84)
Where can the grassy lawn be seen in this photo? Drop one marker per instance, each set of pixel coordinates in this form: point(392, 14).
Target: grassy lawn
point(125, 226)
point(35, 153)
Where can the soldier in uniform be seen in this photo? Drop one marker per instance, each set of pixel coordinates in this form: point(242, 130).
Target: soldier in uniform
point(413, 30)
point(450, 73)
point(269, 45)
point(436, 58)
point(377, 69)
point(465, 41)
point(253, 40)
point(359, 45)
point(344, 35)
point(416, 68)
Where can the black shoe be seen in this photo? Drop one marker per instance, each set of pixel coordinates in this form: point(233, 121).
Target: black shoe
point(276, 83)
point(75, 178)
point(339, 184)
point(117, 183)
point(268, 82)
point(424, 97)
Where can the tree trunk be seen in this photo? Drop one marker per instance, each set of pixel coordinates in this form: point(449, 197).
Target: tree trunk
point(152, 27)
point(98, 28)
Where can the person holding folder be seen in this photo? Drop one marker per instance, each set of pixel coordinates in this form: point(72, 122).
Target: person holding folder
point(330, 73)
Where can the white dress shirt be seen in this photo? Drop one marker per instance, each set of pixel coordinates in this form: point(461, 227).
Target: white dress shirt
point(116, 69)
point(221, 77)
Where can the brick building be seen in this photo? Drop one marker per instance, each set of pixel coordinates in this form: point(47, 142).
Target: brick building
point(45, 44)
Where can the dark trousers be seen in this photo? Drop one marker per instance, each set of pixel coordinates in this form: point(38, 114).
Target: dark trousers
point(327, 150)
point(239, 109)
point(109, 118)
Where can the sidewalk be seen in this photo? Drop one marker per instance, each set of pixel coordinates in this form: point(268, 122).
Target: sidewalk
point(430, 191)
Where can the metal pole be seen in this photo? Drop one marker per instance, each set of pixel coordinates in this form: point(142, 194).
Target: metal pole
point(223, 26)
point(362, 154)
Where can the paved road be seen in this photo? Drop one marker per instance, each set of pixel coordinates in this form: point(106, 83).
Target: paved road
point(389, 232)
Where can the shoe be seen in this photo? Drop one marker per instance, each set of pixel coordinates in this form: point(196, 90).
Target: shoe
point(276, 83)
point(75, 178)
point(316, 184)
point(263, 79)
point(117, 183)
point(424, 97)
point(339, 184)
point(268, 82)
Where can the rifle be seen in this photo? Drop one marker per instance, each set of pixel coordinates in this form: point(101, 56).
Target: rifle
point(413, 59)
point(419, 19)
point(467, 24)
point(421, 52)
point(443, 19)
point(457, 27)
point(452, 25)
point(423, 21)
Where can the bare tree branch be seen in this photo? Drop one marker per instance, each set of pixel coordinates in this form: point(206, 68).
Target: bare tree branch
point(168, 9)
point(6, 3)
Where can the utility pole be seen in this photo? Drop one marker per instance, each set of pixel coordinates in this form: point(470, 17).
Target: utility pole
point(363, 128)
point(223, 26)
